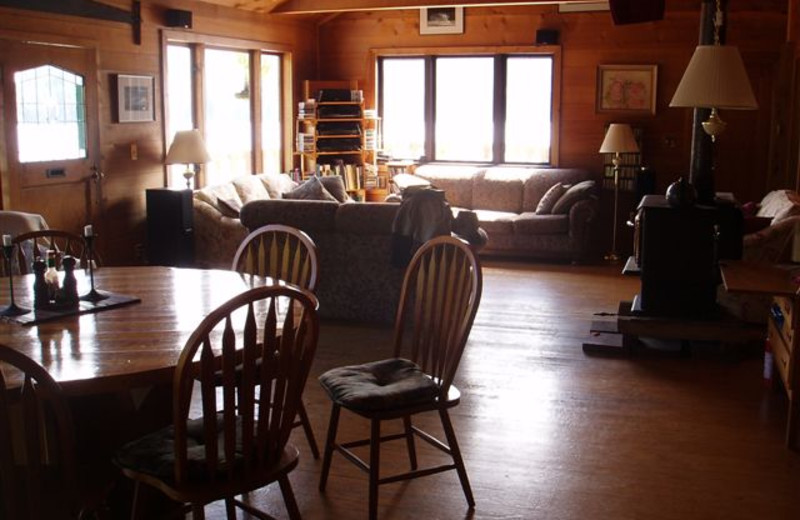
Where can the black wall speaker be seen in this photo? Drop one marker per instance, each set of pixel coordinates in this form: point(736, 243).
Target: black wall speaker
point(179, 18)
point(546, 37)
point(170, 223)
point(636, 11)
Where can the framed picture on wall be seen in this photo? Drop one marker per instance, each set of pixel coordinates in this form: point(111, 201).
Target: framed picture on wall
point(627, 88)
point(441, 20)
point(135, 99)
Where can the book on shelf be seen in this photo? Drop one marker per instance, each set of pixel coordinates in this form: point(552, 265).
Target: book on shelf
point(370, 139)
point(307, 109)
point(306, 142)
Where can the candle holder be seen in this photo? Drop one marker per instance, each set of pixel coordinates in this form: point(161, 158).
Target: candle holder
point(13, 309)
point(93, 295)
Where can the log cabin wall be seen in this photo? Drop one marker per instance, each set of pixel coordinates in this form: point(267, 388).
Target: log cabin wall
point(758, 28)
point(123, 193)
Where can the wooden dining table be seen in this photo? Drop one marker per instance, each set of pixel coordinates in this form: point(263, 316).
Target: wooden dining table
point(115, 366)
point(135, 345)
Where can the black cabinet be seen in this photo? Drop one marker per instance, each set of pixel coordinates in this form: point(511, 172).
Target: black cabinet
point(170, 237)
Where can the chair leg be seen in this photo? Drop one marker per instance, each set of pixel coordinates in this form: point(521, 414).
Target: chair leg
point(374, 467)
point(136, 495)
point(456, 453)
point(288, 497)
point(312, 442)
point(412, 450)
point(329, 443)
point(230, 508)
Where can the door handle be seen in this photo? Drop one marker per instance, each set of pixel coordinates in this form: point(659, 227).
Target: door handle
point(97, 176)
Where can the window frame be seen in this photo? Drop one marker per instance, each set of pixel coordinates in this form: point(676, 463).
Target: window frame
point(197, 44)
point(430, 53)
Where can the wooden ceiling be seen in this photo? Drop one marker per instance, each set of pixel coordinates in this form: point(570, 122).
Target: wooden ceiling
point(340, 6)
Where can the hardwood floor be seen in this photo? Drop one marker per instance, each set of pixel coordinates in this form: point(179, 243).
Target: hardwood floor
point(550, 433)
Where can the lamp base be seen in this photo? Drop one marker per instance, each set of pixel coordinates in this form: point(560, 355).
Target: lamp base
point(188, 175)
point(14, 310)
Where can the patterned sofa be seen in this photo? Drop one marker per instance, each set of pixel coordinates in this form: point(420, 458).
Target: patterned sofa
point(217, 228)
point(505, 200)
point(357, 280)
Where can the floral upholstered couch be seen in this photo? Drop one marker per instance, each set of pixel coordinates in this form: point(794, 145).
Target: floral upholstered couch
point(769, 236)
point(543, 213)
point(357, 280)
point(217, 228)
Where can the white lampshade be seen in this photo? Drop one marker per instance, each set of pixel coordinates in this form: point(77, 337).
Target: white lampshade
point(619, 139)
point(715, 78)
point(187, 147)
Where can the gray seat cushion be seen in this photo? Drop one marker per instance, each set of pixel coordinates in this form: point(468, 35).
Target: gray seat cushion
point(154, 454)
point(381, 385)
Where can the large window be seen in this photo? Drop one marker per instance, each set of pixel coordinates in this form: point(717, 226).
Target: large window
point(228, 127)
point(483, 109)
point(241, 117)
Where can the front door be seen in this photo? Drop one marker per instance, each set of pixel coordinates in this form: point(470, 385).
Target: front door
point(49, 155)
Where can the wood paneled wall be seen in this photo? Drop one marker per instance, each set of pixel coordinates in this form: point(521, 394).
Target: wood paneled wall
point(587, 40)
point(125, 178)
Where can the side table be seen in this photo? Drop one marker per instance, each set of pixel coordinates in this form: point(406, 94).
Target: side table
point(751, 278)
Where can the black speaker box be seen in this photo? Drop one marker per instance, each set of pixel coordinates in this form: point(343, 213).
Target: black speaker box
point(636, 11)
point(170, 221)
point(179, 18)
point(546, 37)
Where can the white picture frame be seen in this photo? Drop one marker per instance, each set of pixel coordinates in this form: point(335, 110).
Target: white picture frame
point(135, 98)
point(441, 20)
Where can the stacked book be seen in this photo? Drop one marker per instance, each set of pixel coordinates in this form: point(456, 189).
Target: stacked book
point(305, 142)
point(307, 109)
point(370, 139)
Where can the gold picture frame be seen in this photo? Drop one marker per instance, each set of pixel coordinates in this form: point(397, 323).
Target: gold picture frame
point(135, 100)
point(627, 88)
point(441, 20)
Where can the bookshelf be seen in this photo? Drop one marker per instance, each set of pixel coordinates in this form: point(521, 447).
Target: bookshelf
point(337, 135)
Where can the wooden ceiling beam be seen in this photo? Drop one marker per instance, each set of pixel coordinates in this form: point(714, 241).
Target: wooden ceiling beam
point(332, 6)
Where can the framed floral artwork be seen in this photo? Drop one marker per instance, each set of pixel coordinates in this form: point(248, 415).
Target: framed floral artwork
point(627, 88)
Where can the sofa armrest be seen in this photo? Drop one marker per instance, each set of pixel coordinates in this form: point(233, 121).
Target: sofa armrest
point(580, 215)
point(216, 237)
point(771, 244)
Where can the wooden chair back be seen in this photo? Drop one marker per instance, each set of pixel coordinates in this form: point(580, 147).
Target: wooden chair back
point(35, 244)
point(264, 362)
point(36, 442)
point(438, 302)
point(279, 251)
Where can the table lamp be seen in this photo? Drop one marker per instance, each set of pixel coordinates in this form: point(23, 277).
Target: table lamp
point(188, 148)
point(619, 139)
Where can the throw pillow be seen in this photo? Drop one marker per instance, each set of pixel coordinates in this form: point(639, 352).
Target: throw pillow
point(229, 207)
point(549, 199)
point(582, 190)
point(335, 186)
point(311, 189)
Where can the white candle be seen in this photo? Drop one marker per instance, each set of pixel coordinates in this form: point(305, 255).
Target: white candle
point(87, 230)
point(6, 240)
